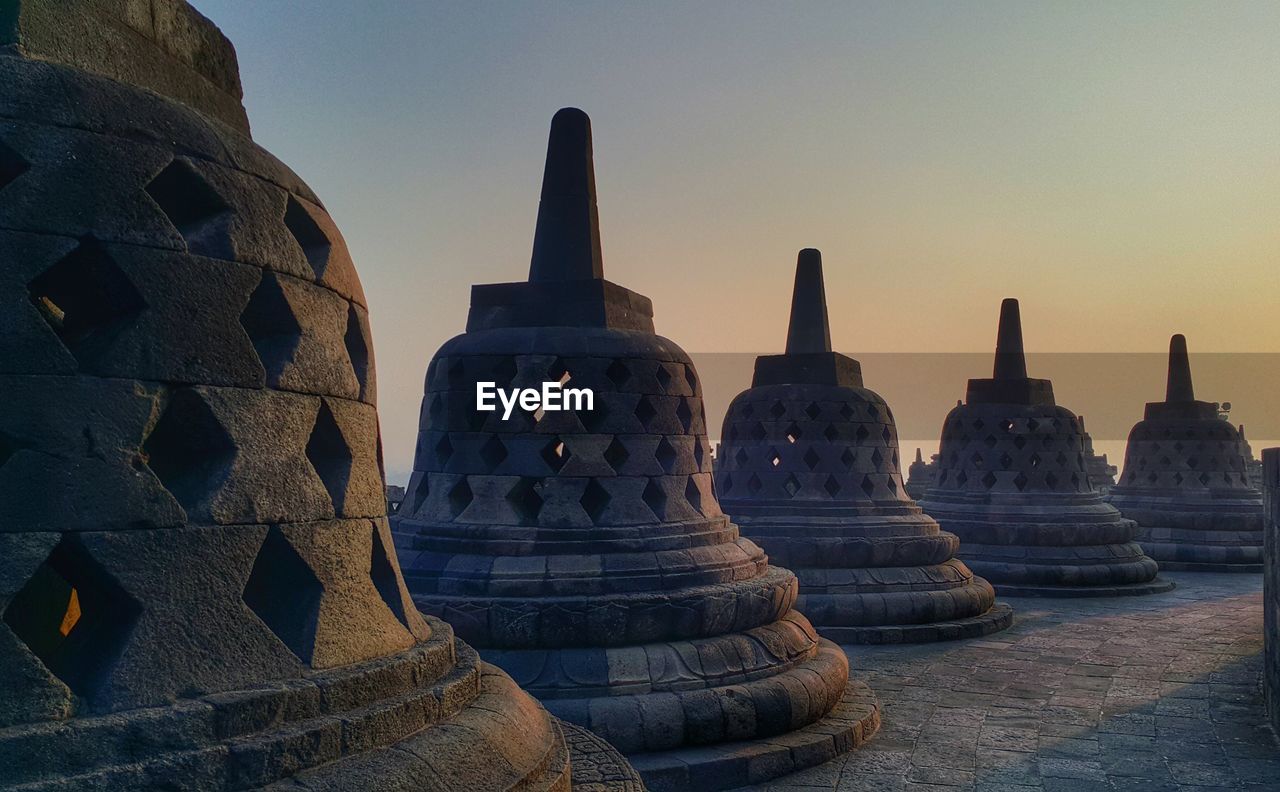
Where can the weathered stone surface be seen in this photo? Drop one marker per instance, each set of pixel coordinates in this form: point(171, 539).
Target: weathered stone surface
point(808, 466)
point(584, 551)
point(198, 584)
point(1186, 482)
point(1271, 585)
point(1012, 482)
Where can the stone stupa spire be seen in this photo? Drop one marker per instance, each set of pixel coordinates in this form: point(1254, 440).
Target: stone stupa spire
point(1011, 360)
point(809, 330)
point(1178, 387)
point(566, 242)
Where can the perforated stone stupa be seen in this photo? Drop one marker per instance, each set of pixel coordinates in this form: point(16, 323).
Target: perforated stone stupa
point(809, 469)
point(1102, 474)
point(198, 584)
point(1013, 484)
point(585, 551)
point(1186, 482)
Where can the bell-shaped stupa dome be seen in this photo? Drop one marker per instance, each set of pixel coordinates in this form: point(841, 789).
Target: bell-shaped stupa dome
point(1013, 484)
point(198, 582)
point(809, 468)
point(584, 550)
point(1186, 482)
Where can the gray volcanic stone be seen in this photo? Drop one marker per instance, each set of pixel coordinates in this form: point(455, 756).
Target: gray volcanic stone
point(199, 589)
point(584, 551)
point(808, 466)
point(1271, 585)
point(1186, 482)
point(1012, 482)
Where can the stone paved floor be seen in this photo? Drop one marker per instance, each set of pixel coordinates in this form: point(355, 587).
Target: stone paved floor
point(1127, 694)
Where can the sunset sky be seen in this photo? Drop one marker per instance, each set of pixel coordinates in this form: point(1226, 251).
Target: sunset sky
point(1116, 166)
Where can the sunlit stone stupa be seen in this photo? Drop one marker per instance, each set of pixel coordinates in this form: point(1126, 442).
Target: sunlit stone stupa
point(809, 469)
point(1013, 484)
point(197, 578)
point(585, 551)
point(1186, 482)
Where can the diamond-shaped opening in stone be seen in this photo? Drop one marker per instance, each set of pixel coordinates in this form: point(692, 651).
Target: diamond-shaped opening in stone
point(728, 482)
point(811, 458)
point(444, 451)
point(1178, 446)
point(1152, 477)
point(12, 165)
point(193, 206)
point(990, 441)
point(691, 378)
point(748, 410)
point(791, 485)
point(525, 500)
point(460, 497)
point(886, 435)
point(793, 433)
point(775, 459)
point(357, 350)
point(976, 460)
point(962, 478)
point(846, 412)
point(873, 411)
point(831, 433)
point(1020, 442)
point(1032, 424)
point(978, 424)
point(1062, 460)
point(555, 453)
point(1034, 461)
point(189, 450)
point(758, 433)
point(1020, 481)
point(559, 372)
point(1051, 479)
point(419, 494)
point(1057, 424)
point(1177, 478)
point(868, 486)
point(331, 456)
point(1006, 425)
point(645, 411)
point(315, 245)
point(594, 500)
point(664, 377)
point(1204, 479)
point(285, 593)
point(684, 414)
point(618, 373)
point(832, 486)
point(271, 325)
point(813, 411)
point(74, 617)
point(861, 434)
point(383, 574)
point(778, 409)
point(655, 498)
point(741, 458)
point(848, 459)
point(693, 495)
point(989, 480)
point(493, 452)
point(753, 484)
point(86, 300)
point(699, 453)
point(1006, 461)
point(892, 484)
point(877, 458)
point(616, 455)
point(666, 455)
point(1192, 462)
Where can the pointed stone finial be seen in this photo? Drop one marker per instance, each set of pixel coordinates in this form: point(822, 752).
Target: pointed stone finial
point(1178, 388)
point(1011, 362)
point(809, 330)
point(1242, 437)
point(1080, 420)
point(918, 457)
point(566, 243)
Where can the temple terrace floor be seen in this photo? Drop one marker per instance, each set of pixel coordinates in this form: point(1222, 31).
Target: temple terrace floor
point(1160, 692)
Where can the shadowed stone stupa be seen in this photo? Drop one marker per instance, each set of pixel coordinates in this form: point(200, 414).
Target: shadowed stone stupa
point(1013, 484)
point(809, 468)
point(1186, 482)
point(198, 583)
point(585, 552)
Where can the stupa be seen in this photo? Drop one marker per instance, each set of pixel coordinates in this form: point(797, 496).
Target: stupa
point(198, 583)
point(584, 550)
point(1186, 482)
point(1013, 485)
point(810, 470)
point(1102, 474)
point(920, 475)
